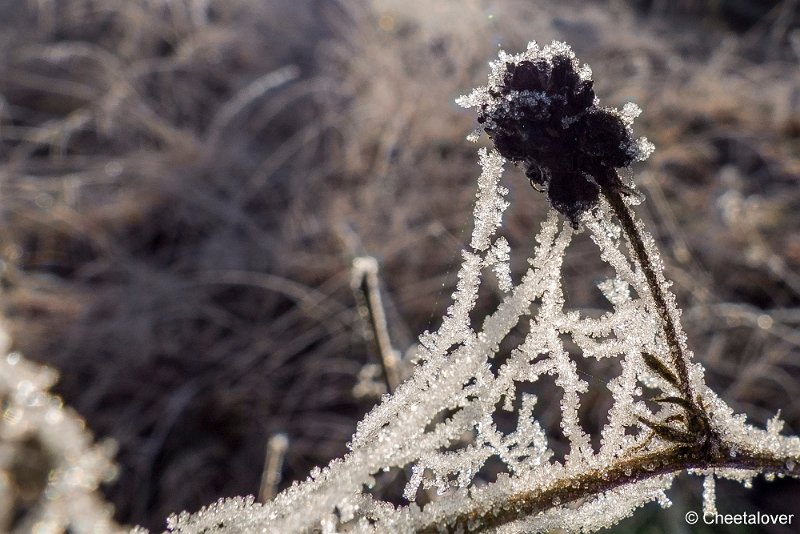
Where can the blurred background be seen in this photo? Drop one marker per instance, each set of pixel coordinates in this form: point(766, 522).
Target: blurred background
point(184, 185)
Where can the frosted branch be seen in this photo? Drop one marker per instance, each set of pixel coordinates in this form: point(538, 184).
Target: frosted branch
point(441, 425)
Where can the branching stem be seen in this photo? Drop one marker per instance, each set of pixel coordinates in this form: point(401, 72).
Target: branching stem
point(707, 451)
point(642, 258)
point(597, 481)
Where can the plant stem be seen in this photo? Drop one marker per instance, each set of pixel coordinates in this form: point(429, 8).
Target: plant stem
point(367, 289)
point(277, 446)
point(597, 481)
point(657, 291)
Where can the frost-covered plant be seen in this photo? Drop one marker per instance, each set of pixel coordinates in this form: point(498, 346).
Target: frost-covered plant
point(440, 426)
point(50, 467)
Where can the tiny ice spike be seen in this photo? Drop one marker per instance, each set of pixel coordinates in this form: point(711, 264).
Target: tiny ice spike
point(441, 430)
point(541, 112)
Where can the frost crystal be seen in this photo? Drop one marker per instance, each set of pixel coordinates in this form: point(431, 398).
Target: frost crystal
point(709, 496)
point(50, 467)
point(443, 427)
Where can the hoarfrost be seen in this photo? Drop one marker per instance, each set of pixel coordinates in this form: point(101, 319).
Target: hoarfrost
point(50, 467)
point(709, 496)
point(441, 424)
point(498, 258)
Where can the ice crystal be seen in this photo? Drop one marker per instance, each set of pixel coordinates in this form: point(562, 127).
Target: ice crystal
point(50, 467)
point(709, 496)
point(441, 425)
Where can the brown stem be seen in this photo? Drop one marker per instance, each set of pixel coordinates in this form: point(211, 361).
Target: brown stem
point(677, 356)
point(595, 482)
point(272, 473)
point(368, 292)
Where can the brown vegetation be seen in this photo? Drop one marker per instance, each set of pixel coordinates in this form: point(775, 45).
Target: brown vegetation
point(185, 185)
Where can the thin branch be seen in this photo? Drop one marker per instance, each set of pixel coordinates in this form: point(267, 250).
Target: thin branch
point(597, 481)
point(366, 286)
point(277, 446)
point(642, 258)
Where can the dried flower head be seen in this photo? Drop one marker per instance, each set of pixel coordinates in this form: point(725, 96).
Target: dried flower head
point(541, 112)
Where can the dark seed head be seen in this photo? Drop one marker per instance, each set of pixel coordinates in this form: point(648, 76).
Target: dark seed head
point(541, 113)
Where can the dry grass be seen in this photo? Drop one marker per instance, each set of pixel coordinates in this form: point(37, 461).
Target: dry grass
point(185, 183)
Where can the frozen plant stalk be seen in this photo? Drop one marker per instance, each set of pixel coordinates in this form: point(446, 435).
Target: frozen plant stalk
point(541, 113)
point(50, 467)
